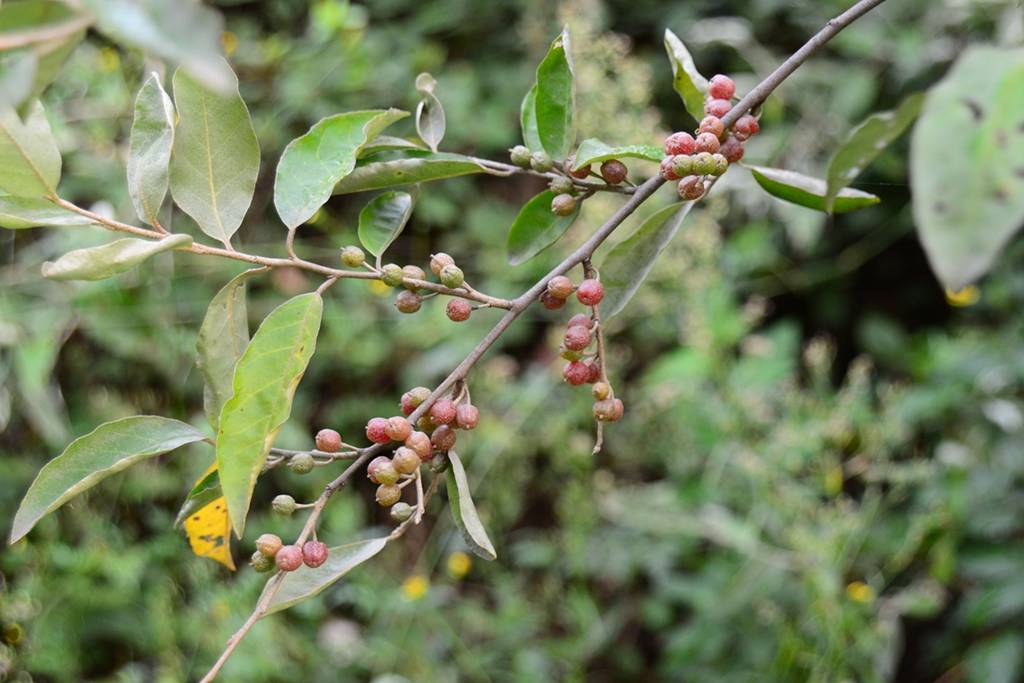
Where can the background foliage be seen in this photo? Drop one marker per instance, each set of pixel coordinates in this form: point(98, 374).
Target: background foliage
point(819, 476)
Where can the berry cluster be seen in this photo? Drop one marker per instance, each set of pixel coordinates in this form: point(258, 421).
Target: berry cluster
point(691, 159)
point(566, 192)
point(271, 552)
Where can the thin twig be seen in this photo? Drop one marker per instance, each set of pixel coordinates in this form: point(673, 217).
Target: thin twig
point(11, 41)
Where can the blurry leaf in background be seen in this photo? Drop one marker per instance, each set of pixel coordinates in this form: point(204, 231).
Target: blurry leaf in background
point(99, 263)
point(265, 380)
point(34, 359)
point(149, 150)
point(216, 157)
point(592, 151)
point(28, 153)
point(430, 120)
point(17, 75)
point(209, 529)
point(460, 500)
point(536, 228)
point(90, 459)
point(554, 103)
point(806, 191)
point(418, 167)
point(18, 213)
point(382, 219)
point(48, 53)
point(686, 79)
point(969, 193)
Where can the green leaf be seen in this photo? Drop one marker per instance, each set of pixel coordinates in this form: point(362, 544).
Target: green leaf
point(464, 512)
point(222, 339)
point(216, 157)
point(807, 191)
point(312, 164)
point(17, 17)
point(630, 262)
point(536, 228)
point(28, 153)
point(555, 101)
point(149, 149)
point(17, 76)
point(186, 33)
point(528, 120)
point(306, 582)
point(687, 81)
point(202, 494)
point(378, 175)
point(866, 142)
point(383, 219)
point(967, 164)
point(17, 213)
point(264, 384)
point(430, 121)
point(99, 263)
point(90, 459)
point(386, 143)
point(593, 151)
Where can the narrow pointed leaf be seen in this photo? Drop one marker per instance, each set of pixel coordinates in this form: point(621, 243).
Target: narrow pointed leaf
point(807, 191)
point(216, 156)
point(222, 339)
point(555, 101)
point(17, 213)
point(630, 262)
point(593, 151)
point(464, 511)
point(967, 164)
point(264, 384)
point(686, 79)
point(90, 459)
point(536, 228)
point(312, 164)
point(149, 149)
point(430, 120)
point(866, 142)
point(378, 175)
point(29, 158)
point(383, 219)
point(528, 120)
point(306, 582)
point(99, 263)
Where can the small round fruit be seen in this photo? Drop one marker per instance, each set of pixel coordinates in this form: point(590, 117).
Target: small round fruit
point(411, 272)
point(745, 127)
point(458, 310)
point(713, 125)
point(288, 558)
point(716, 107)
point(561, 185)
point(679, 143)
point(301, 463)
point(401, 511)
point(406, 460)
point(377, 430)
point(261, 562)
point(443, 438)
point(419, 443)
point(703, 163)
point(721, 164)
point(580, 173)
point(593, 371)
point(443, 412)
point(691, 187)
point(283, 504)
point(581, 319)
point(668, 169)
point(425, 424)
point(399, 428)
point(721, 87)
point(328, 441)
point(541, 162)
point(467, 416)
point(408, 302)
point(551, 302)
point(563, 205)
point(382, 471)
point(560, 287)
point(732, 149)
point(590, 292)
point(706, 142)
point(608, 410)
point(577, 338)
point(353, 257)
point(520, 156)
point(391, 274)
point(601, 390)
point(438, 261)
point(613, 171)
point(576, 373)
point(314, 553)
point(452, 276)
point(268, 544)
point(412, 399)
point(388, 494)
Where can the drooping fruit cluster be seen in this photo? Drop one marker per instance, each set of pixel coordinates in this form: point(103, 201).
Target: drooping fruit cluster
point(271, 552)
point(691, 159)
point(410, 299)
point(566, 195)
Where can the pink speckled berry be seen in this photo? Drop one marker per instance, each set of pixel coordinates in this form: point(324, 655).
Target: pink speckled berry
point(590, 292)
point(289, 558)
point(314, 553)
point(706, 142)
point(576, 373)
point(668, 169)
point(467, 416)
point(721, 87)
point(458, 310)
point(717, 108)
point(377, 430)
point(679, 143)
point(443, 412)
point(577, 338)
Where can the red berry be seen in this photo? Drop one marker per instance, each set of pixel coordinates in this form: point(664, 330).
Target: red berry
point(706, 142)
point(412, 399)
point(443, 412)
point(732, 149)
point(691, 187)
point(577, 338)
point(314, 553)
point(713, 125)
point(399, 428)
point(551, 302)
point(679, 143)
point(613, 171)
point(580, 319)
point(721, 87)
point(289, 558)
point(443, 438)
point(560, 287)
point(746, 126)
point(717, 108)
point(608, 410)
point(377, 430)
point(594, 372)
point(467, 416)
point(668, 169)
point(458, 310)
point(419, 443)
point(328, 441)
point(576, 373)
point(590, 292)
point(581, 173)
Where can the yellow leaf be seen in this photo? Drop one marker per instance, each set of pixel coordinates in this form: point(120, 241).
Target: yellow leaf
point(209, 529)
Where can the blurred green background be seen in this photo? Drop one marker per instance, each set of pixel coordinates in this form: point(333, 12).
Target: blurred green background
point(820, 475)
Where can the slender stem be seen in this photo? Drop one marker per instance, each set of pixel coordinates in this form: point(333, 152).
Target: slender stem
point(43, 34)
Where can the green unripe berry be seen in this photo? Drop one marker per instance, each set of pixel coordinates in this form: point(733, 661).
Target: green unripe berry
point(353, 257)
point(703, 163)
point(301, 463)
point(541, 162)
point(401, 511)
point(682, 164)
point(411, 272)
point(261, 562)
point(520, 156)
point(391, 274)
point(283, 504)
point(563, 205)
point(452, 276)
point(386, 474)
point(721, 164)
point(388, 495)
point(561, 185)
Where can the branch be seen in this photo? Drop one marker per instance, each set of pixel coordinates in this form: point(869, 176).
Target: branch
point(10, 41)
